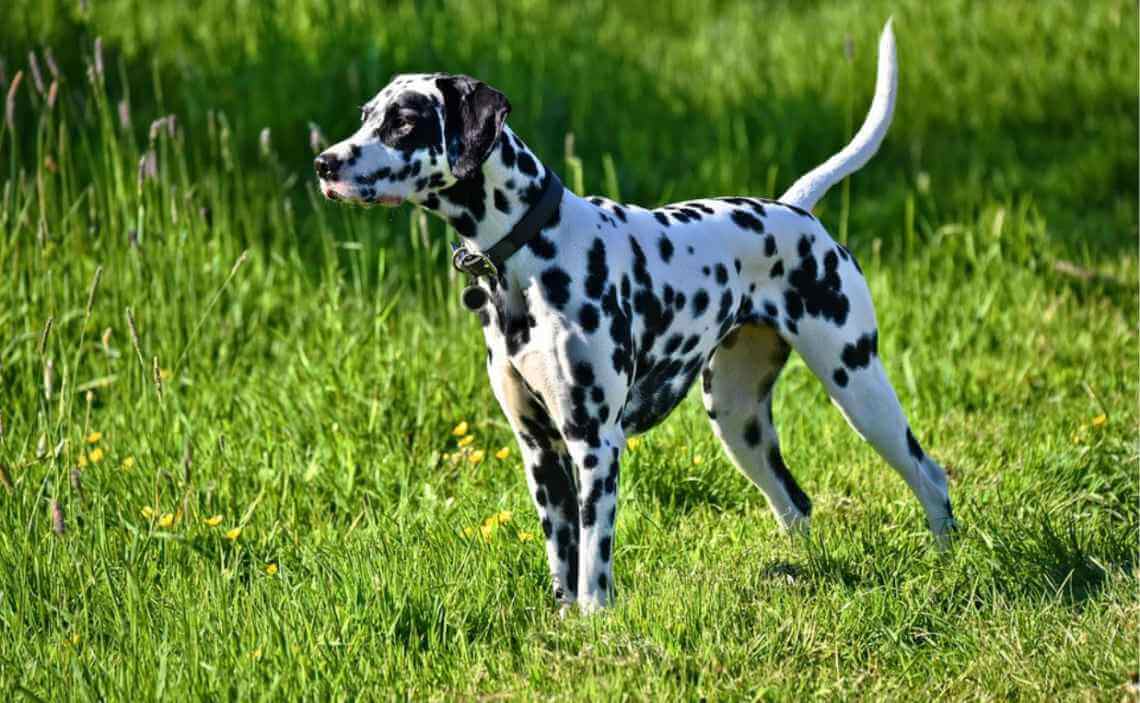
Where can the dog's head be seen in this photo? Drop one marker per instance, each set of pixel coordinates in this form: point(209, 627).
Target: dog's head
point(420, 134)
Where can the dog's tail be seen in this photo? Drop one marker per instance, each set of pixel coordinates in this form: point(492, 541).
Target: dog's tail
point(806, 191)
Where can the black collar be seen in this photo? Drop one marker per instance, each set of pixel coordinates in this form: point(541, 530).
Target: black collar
point(488, 263)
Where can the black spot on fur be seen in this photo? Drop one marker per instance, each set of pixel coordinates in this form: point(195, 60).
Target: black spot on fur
point(526, 164)
point(858, 355)
point(915, 450)
point(588, 317)
point(556, 283)
point(542, 247)
point(746, 220)
point(665, 247)
point(799, 498)
point(700, 302)
point(840, 378)
point(752, 432)
point(501, 202)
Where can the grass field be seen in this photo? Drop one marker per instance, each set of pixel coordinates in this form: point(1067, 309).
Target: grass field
point(229, 466)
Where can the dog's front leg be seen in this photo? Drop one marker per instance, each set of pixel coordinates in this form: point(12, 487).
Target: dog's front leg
point(549, 474)
point(597, 458)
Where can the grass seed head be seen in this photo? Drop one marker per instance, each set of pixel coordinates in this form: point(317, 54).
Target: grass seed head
point(49, 379)
point(34, 69)
point(124, 110)
point(45, 333)
point(98, 65)
point(10, 101)
point(57, 523)
point(5, 478)
point(52, 96)
point(49, 59)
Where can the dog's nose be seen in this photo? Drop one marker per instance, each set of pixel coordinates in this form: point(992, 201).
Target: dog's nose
point(327, 165)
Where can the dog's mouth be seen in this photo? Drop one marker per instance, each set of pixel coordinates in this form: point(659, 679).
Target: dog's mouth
point(340, 191)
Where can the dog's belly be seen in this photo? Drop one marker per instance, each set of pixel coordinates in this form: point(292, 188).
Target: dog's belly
point(658, 390)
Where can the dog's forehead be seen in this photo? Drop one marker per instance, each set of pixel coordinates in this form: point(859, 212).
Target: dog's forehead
point(404, 84)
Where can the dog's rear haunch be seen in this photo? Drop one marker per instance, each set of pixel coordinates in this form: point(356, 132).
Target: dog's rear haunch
point(598, 316)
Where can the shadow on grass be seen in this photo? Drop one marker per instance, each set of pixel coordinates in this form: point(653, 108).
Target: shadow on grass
point(1041, 561)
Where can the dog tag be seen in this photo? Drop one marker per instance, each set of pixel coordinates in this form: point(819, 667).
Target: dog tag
point(473, 297)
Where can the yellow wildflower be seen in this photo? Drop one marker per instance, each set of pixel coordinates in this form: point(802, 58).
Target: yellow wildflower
point(165, 374)
point(1099, 420)
point(255, 654)
point(147, 512)
point(82, 463)
point(526, 536)
point(632, 443)
point(464, 441)
point(213, 521)
point(476, 456)
point(233, 533)
point(166, 520)
point(469, 532)
point(95, 455)
point(128, 463)
point(271, 569)
point(697, 460)
point(94, 437)
point(500, 518)
point(75, 639)
point(503, 453)
point(460, 429)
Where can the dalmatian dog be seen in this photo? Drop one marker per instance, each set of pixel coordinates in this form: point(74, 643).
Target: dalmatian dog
point(598, 316)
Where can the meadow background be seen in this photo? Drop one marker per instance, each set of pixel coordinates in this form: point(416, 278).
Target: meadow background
point(230, 466)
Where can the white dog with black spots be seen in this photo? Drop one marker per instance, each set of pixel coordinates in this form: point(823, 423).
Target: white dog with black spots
point(598, 324)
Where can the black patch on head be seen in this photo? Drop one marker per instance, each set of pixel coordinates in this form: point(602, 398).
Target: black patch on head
point(474, 114)
point(410, 123)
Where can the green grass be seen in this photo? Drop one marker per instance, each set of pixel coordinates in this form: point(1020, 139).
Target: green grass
point(314, 359)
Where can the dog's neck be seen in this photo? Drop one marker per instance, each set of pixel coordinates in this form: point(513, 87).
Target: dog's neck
point(484, 207)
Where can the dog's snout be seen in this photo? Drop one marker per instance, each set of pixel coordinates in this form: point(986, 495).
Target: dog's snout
point(327, 165)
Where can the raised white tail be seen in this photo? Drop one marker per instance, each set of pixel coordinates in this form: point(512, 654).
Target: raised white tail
point(807, 191)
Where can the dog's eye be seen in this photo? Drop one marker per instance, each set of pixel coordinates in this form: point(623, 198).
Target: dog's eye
point(404, 123)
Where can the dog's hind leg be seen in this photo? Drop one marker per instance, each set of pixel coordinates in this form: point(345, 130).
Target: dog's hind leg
point(846, 359)
point(737, 388)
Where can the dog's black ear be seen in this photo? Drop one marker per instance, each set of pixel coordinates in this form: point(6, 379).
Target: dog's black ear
point(474, 114)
